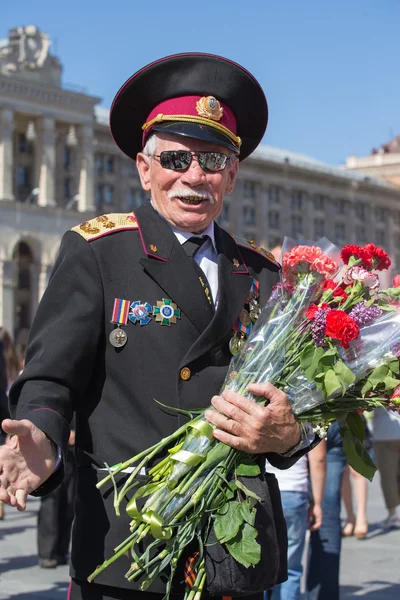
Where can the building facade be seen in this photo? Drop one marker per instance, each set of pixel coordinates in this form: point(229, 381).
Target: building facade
point(383, 162)
point(59, 166)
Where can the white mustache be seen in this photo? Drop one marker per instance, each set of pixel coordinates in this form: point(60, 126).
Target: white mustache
point(185, 193)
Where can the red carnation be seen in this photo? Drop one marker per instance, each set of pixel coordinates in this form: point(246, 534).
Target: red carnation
point(396, 281)
point(310, 313)
point(340, 326)
point(339, 291)
point(351, 250)
point(378, 257)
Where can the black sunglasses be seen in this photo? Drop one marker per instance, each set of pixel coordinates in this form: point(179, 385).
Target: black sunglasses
point(180, 160)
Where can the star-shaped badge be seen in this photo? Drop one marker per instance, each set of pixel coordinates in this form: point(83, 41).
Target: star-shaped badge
point(166, 312)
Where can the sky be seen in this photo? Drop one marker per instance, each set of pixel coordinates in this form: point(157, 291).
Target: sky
point(330, 70)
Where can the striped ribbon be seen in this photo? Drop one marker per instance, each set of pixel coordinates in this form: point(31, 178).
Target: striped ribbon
point(120, 311)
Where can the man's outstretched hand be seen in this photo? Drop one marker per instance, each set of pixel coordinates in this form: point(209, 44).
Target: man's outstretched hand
point(27, 459)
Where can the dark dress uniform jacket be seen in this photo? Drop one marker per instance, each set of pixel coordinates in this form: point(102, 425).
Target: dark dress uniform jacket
point(72, 366)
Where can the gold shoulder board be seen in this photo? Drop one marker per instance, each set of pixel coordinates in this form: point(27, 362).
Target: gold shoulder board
point(251, 245)
point(105, 224)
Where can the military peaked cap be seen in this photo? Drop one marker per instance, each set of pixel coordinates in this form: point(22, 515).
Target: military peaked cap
point(196, 95)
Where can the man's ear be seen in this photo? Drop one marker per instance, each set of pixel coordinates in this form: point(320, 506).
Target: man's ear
point(232, 174)
point(143, 164)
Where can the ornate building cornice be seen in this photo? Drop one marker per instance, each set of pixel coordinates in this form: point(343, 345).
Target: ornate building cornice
point(15, 89)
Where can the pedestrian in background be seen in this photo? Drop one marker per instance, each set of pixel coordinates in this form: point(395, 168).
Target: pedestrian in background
point(13, 361)
point(302, 490)
point(386, 436)
point(56, 515)
point(326, 542)
point(3, 405)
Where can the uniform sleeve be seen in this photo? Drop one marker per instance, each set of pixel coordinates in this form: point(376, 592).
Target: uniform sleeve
point(63, 342)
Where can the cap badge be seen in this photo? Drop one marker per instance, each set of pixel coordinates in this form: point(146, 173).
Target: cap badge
point(210, 108)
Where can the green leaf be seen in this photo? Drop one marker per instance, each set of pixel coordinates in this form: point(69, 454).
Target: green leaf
point(246, 491)
point(366, 387)
point(390, 383)
point(319, 376)
point(244, 547)
point(394, 366)
point(228, 521)
point(248, 469)
point(356, 425)
point(306, 357)
point(331, 382)
point(328, 358)
point(318, 354)
point(356, 455)
point(378, 375)
point(248, 512)
point(344, 374)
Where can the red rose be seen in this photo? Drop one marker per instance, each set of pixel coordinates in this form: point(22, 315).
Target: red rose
point(340, 326)
point(396, 281)
point(378, 257)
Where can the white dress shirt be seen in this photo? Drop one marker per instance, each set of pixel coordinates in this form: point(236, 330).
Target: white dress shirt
point(206, 257)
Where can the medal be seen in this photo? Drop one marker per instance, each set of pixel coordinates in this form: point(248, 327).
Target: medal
point(140, 312)
point(236, 343)
point(118, 336)
point(255, 312)
point(166, 312)
point(244, 317)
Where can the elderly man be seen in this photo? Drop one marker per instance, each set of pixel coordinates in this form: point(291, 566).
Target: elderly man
point(143, 306)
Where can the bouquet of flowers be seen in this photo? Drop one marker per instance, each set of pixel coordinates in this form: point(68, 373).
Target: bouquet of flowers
point(330, 339)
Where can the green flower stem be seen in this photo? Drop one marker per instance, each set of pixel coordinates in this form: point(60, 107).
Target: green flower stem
point(159, 446)
point(110, 561)
point(143, 568)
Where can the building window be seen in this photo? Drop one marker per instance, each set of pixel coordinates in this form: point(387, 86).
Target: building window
point(68, 157)
point(110, 164)
point(136, 198)
point(99, 194)
point(225, 213)
point(341, 206)
point(68, 188)
point(361, 235)
point(381, 214)
point(319, 228)
point(361, 211)
point(273, 219)
point(249, 189)
point(274, 194)
point(108, 194)
point(381, 238)
point(296, 201)
point(24, 146)
point(23, 177)
point(249, 215)
point(296, 226)
point(99, 162)
point(340, 233)
point(319, 203)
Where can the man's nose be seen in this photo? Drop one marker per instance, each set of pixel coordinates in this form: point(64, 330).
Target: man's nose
point(194, 173)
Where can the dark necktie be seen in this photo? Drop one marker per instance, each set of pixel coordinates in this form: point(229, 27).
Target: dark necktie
point(191, 247)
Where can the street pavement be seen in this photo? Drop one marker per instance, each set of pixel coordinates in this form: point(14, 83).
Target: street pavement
point(370, 568)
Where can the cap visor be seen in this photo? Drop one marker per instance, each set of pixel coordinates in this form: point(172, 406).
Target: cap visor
point(197, 132)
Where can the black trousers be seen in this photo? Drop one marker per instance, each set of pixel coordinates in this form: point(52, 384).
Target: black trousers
point(81, 590)
point(56, 514)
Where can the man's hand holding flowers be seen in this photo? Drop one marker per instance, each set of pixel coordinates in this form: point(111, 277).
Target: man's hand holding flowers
point(251, 427)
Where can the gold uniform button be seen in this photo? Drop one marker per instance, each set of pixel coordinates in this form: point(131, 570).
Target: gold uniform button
point(185, 373)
